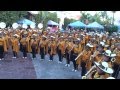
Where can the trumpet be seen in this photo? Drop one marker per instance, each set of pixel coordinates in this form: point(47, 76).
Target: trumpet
point(58, 44)
point(79, 55)
point(89, 72)
point(72, 48)
point(92, 56)
point(66, 46)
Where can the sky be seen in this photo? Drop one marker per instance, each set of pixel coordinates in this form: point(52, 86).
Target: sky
point(76, 14)
point(73, 14)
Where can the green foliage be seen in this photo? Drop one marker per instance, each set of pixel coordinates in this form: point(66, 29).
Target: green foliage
point(9, 17)
point(97, 17)
point(67, 21)
point(44, 17)
point(111, 29)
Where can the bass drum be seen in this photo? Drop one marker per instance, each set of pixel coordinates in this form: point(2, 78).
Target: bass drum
point(2, 25)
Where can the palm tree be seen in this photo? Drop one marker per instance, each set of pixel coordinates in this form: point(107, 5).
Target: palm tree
point(104, 15)
point(113, 17)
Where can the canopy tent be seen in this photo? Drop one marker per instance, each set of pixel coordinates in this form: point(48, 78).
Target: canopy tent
point(95, 25)
point(77, 24)
point(50, 22)
point(26, 21)
point(118, 28)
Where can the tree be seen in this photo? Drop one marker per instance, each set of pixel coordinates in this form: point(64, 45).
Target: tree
point(85, 16)
point(67, 21)
point(9, 17)
point(38, 18)
point(113, 17)
point(104, 15)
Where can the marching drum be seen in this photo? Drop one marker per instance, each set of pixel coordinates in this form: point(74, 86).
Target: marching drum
point(32, 26)
point(24, 26)
point(2, 25)
point(15, 25)
point(40, 25)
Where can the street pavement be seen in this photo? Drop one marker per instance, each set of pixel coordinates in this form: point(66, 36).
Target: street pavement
point(36, 69)
point(53, 70)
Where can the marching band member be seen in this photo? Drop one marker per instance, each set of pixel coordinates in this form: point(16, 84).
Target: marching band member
point(61, 49)
point(42, 46)
point(34, 45)
point(3, 47)
point(74, 53)
point(85, 56)
point(86, 38)
point(6, 39)
point(100, 70)
point(69, 45)
point(15, 45)
point(25, 44)
point(113, 41)
point(82, 42)
point(52, 48)
point(116, 62)
point(107, 57)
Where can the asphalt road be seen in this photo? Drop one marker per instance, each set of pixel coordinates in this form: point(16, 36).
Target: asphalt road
point(53, 70)
point(36, 69)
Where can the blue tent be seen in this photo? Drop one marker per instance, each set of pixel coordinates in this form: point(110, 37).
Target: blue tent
point(95, 25)
point(50, 22)
point(26, 21)
point(77, 24)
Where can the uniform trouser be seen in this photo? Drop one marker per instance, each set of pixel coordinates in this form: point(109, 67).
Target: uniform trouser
point(67, 58)
point(51, 57)
point(116, 69)
point(60, 55)
point(83, 65)
point(1, 52)
point(42, 52)
point(14, 54)
point(24, 49)
point(74, 62)
point(33, 52)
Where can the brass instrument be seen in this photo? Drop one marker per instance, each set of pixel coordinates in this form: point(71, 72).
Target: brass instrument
point(113, 59)
point(93, 55)
point(49, 44)
point(41, 42)
point(66, 46)
point(79, 55)
point(71, 49)
point(87, 75)
point(58, 44)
